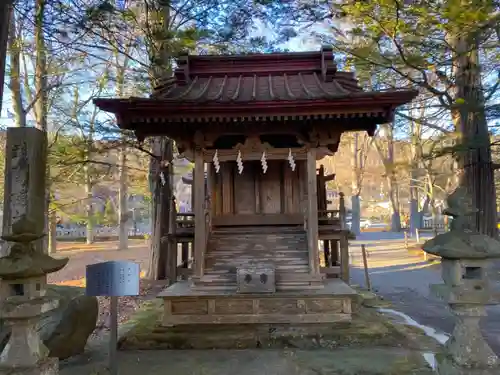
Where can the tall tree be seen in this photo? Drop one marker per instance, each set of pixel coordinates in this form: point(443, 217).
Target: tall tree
point(439, 47)
point(161, 265)
point(359, 152)
point(5, 13)
point(385, 144)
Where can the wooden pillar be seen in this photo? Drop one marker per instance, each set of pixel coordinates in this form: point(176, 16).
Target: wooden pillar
point(312, 212)
point(212, 188)
point(199, 214)
point(185, 254)
point(227, 188)
point(185, 259)
point(334, 253)
point(171, 257)
point(326, 252)
point(321, 189)
point(193, 172)
point(344, 258)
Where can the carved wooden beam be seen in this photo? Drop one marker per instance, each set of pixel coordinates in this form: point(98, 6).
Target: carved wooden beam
point(252, 144)
point(199, 139)
point(252, 154)
point(322, 136)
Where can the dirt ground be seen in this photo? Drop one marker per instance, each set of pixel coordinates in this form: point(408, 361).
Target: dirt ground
point(375, 361)
point(400, 277)
point(80, 255)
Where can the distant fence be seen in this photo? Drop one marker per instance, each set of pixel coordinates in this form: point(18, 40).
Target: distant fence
point(433, 224)
point(69, 233)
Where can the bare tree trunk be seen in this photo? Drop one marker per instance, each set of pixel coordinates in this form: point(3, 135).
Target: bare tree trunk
point(415, 163)
point(355, 192)
point(414, 199)
point(52, 231)
point(387, 155)
point(394, 197)
point(392, 182)
point(41, 88)
point(41, 96)
point(5, 12)
point(15, 74)
point(162, 193)
point(89, 206)
point(123, 213)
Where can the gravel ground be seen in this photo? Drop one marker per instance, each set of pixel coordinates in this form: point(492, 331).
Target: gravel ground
point(399, 277)
point(74, 274)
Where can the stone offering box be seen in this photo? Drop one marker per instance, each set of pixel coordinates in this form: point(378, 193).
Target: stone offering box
point(256, 279)
point(113, 279)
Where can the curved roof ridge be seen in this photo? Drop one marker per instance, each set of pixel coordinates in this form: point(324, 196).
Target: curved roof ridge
point(256, 64)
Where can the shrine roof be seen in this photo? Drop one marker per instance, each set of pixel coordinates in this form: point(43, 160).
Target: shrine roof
point(273, 86)
point(258, 78)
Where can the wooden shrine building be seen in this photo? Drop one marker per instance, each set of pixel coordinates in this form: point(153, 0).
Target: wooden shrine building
point(258, 123)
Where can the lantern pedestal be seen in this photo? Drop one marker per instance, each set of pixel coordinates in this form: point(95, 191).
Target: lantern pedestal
point(24, 285)
point(25, 352)
point(464, 258)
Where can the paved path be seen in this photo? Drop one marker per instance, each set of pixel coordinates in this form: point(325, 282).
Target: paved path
point(404, 279)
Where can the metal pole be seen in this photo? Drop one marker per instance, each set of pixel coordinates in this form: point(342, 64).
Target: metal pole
point(417, 235)
point(365, 264)
point(113, 339)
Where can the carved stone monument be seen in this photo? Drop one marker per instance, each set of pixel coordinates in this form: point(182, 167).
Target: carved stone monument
point(465, 255)
point(24, 281)
point(25, 183)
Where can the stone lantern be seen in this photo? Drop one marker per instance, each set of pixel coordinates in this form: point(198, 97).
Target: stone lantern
point(464, 257)
point(23, 288)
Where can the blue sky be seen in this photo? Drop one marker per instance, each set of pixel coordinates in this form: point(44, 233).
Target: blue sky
point(296, 44)
point(303, 42)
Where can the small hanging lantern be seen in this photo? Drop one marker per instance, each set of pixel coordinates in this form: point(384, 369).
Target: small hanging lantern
point(291, 160)
point(239, 162)
point(216, 161)
point(263, 161)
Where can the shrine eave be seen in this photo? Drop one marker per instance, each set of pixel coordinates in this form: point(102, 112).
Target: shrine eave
point(377, 105)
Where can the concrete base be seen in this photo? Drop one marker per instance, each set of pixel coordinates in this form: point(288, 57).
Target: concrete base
point(184, 304)
point(48, 366)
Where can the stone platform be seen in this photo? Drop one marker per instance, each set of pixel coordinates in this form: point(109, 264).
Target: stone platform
point(185, 305)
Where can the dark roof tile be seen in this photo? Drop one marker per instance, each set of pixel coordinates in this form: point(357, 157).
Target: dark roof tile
point(248, 88)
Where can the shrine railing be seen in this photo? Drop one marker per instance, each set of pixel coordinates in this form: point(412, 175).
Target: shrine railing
point(185, 225)
point(185, 220)
point(334, 217)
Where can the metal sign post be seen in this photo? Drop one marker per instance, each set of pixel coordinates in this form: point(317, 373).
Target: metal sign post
point(113, 279)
